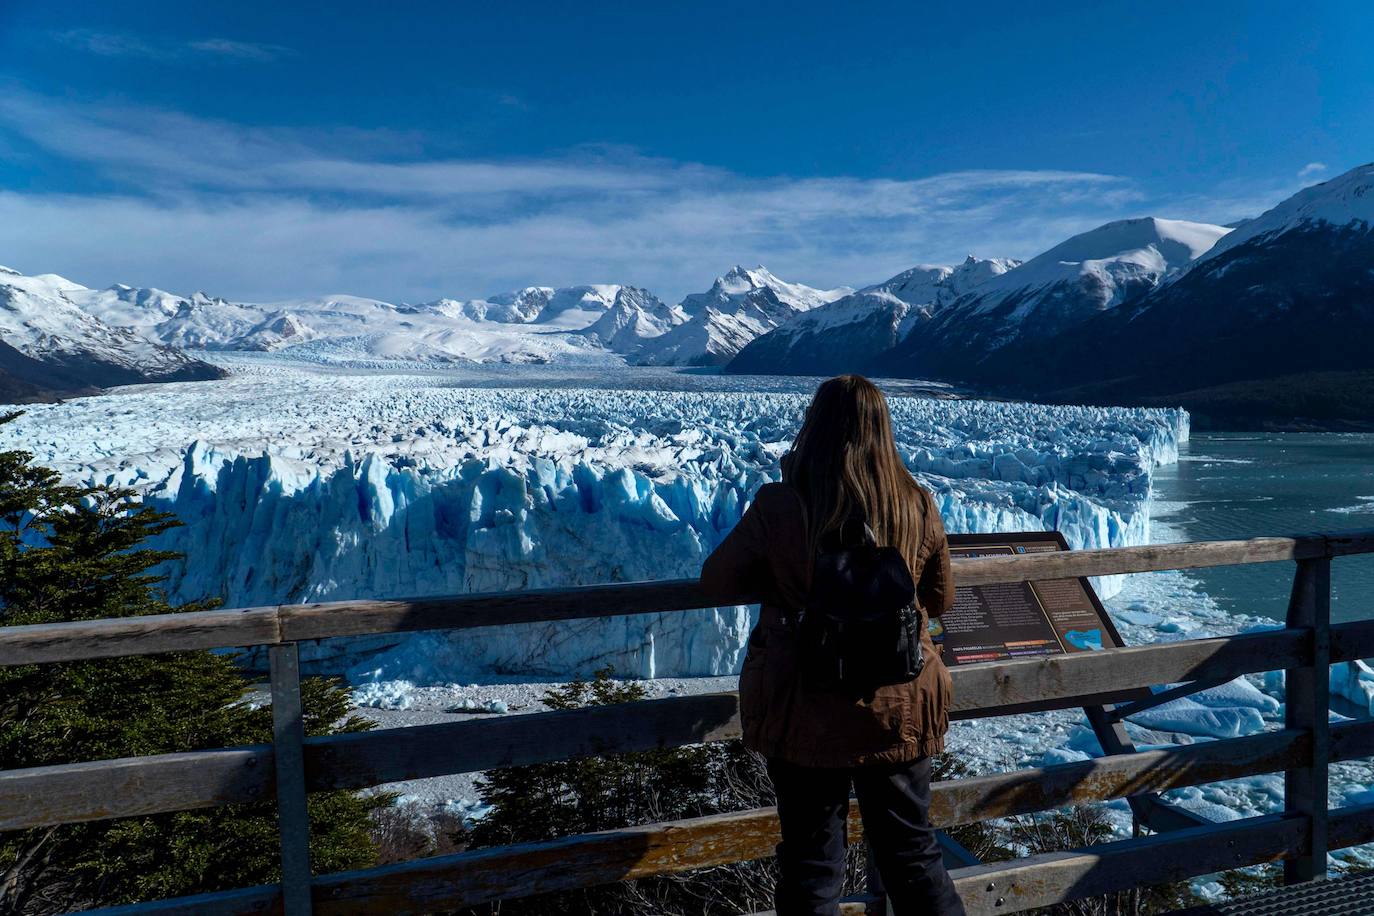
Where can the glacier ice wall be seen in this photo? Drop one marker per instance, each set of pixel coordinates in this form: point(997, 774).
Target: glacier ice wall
point(263, 533)
point(326, 488)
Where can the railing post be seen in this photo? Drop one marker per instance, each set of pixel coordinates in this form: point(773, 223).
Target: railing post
point(288, 747)
point(1307, 707)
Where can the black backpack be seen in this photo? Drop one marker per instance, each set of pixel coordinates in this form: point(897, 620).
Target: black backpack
point(860, 629)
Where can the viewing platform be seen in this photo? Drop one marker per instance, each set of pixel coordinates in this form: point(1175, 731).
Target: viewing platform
point(1180, 844)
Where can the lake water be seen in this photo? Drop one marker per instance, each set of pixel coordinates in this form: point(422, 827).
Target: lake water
point(1241, 485)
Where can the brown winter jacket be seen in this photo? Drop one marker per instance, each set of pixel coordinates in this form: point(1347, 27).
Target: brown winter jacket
point(767, 556)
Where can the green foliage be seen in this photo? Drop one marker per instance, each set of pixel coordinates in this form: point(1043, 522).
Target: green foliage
point(548, 800)
point(985, 840)
point(1257, 879)
point(1076, 828)
point(74, 553)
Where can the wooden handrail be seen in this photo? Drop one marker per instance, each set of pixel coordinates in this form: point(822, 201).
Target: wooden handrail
point(171, 782)
point(266, 626)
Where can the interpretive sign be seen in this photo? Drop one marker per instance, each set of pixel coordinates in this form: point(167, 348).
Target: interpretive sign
point(991, 623)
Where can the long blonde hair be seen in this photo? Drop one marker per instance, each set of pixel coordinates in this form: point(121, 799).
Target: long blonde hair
point(845, 458)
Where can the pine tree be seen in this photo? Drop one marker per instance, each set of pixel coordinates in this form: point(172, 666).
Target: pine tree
point(76, 553)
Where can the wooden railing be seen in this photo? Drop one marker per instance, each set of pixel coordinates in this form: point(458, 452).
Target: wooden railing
point(1300, 835)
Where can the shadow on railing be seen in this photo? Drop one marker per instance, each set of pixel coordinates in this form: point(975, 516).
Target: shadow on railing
point(1300, 835)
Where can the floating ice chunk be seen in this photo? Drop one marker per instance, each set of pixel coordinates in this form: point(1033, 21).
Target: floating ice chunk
point(1191, 717)
point(1354, 680)
point(1194, 801)
point(1237, 693)
point(1084, 741)
point(1356, 794)
point(1063, 755)
point(1139, 618)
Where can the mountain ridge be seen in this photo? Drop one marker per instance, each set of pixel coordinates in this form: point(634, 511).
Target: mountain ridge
point(1133, 310)
point(53, 348)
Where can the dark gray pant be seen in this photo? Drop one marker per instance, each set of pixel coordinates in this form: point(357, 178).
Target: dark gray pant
point(894, 800)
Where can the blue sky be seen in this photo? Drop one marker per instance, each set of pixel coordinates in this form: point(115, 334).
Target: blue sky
point(408, 151)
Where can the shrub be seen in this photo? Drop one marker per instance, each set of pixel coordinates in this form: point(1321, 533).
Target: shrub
point(548, 800)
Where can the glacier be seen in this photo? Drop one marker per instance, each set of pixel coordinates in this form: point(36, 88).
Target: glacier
point(296, 484)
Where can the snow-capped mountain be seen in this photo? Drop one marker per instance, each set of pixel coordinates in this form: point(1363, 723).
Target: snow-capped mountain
point(1135, 309)
point(635, 316)
point(742, 285)
point(277, 330)
point(1289, 292)
point(534, 324)
point(569, 307)
point(943, 321)
point(740, 306)
point(195, 322)
point(371, 326)
point(1344, 202)
point(54, 347)
point(844, 335)
point(537, 324)
point(1093, 272)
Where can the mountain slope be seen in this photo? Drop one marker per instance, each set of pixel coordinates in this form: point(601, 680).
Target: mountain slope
point(54, 348)
point(195, 322)
point(536, 324)
point(845, 335)
point(635, 316)
point(740, 306)
point(533, 324)
point(1288, 293)
point(1091, 273)
point(568, 307)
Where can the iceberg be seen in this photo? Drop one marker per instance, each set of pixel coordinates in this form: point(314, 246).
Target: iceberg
point(1191, 717)
point(1354, 680)
point(303, 486)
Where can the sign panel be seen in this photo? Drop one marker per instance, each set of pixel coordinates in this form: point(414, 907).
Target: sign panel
point(991, 623)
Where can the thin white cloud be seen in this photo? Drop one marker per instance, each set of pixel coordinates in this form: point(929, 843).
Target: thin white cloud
point(1312, 170)
point(162, 150)
point(126, 44)
point(106, 44)
point(263, 214)
point(244, 50)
